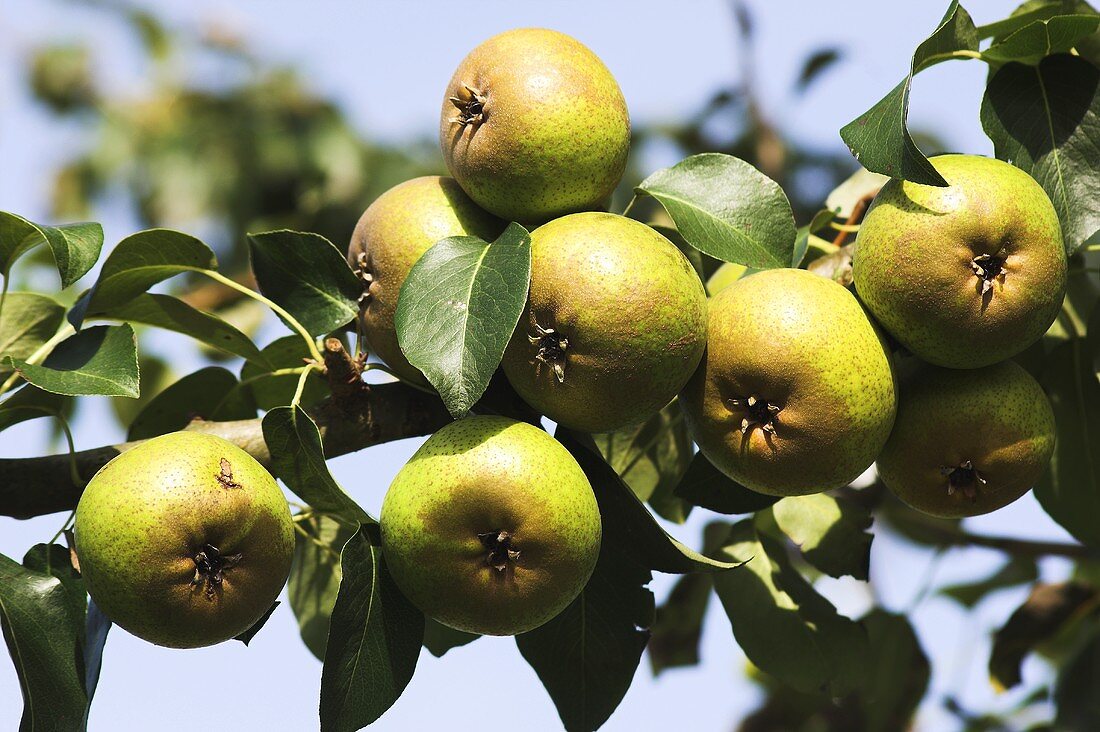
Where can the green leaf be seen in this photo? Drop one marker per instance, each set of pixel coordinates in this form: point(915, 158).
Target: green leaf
point(1016, 571)
point(816, 64)
point(879, 138)
point(783, 626)
point(298, 458)
point(1045, 120)
point(831, 532)
point(458, 308)
point(27, 321)
point(75, 247)
point(1042, 38)
point(651, 457)
point(586, 657)
point(706, 486)
point(679, 621)
point(43, 627)
point(247, 636)
point(315, 578)
point(307, 276)
point(30, 402)
point(268, 390)
point(858, 185)
point(726, 208)
point(199, 395)
point(1041, 616)
point(1026, 14)
point(439, 639)
point(373, 643)
point(137, 263)
point(897, 675)
point(1069, 491)
point(1075, 691)
point(628, 521)
point(100, 360)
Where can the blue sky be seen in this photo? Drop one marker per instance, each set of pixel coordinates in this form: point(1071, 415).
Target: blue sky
point(668, 58)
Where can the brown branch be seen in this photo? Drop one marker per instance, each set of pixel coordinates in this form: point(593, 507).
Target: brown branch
point(955, 537)
point(858, 209)
point(349, 422)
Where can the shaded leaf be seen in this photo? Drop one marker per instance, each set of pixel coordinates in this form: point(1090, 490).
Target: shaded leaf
point(1026, 14)
point(1075, 692)
point(458, 308)
point(879, 138)
point(707, 487)
point(30, 402)
point(831, 532)
point(814, 65)
point(308, 276)
point(315, 578)
point(268, 390)
point(199, 395)
point(137, 263)
point(298, 459)
point(247, 636)
point(374, 640)
point(1045, 120)
point(1041, 38)
point(75, 247)
point(1016, 571)
point(1039, 618)
point(726, 208)
point(897, 675)
point(95, 361)
point(27, 321)
point(438, 638)
point(1069, 490)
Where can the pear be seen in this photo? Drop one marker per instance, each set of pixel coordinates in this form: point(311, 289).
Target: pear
point(393, 233)
point(967, 442)
point(615, 323)
point(184, 540)
point(963, 276)
point(795, 393)
point(491, 527)
point(534, 126)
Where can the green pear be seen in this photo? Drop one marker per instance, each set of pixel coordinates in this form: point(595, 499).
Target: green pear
point(615, 323)
point(967, 442)
point(795, 394)
point(491, 527)
point(184, 540)
point(967, 275)
point(534, 126)
point(393, 233)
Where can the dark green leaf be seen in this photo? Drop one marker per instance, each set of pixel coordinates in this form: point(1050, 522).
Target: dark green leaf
point(374, 641)
point(819, 221)
point(1045, 119)
point(1075, 692)
point(171, 313)
point(96, 627)
point(30, 402)
point(307, 276)
point(26, 322)
point(586, 657)
point(879, 138)
point(439, 639)
point(458, 308)
point(705, 486)
point(1042, 38)
point(627, 521)
point(1016, 571)
point(298, 458)
point(651, 457)
point(815, 65)
point(43, 626)
point(831, 532)
point(315, 578)
point(247, 636)
point(1070, 489)
point(200, 395)
point(137, 263)
point(1044, 612)
point(679, 621)
point(75, 247)
point(268, 390)
point(783, 626)
point(100, 360)
point(898, 672)
point(726, 208)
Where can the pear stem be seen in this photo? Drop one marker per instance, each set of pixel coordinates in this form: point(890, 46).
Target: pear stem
point(858, 211)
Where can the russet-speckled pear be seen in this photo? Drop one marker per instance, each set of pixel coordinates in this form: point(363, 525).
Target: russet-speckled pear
point(491, 527)
point(394, 231)
point(184, 540)
point(795, 393)
point(534, 126)
point(963, 276)
point(615, 323)
point(967, 442)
